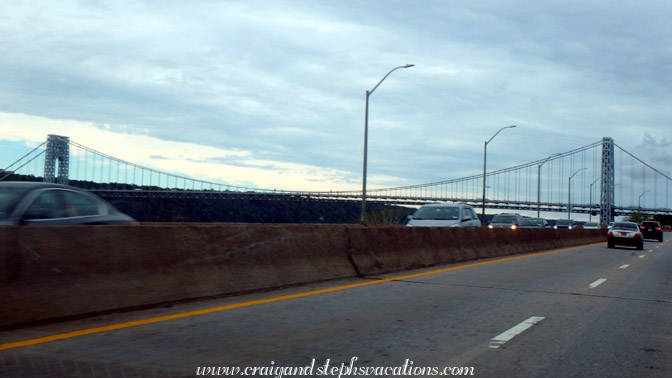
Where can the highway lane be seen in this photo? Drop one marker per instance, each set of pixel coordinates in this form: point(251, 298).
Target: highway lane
point(587, 311)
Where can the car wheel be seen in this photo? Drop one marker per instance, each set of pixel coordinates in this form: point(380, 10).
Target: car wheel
point(610, 245)
point(640, 246)
point(660, 239)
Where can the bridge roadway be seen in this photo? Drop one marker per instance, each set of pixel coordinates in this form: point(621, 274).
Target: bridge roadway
point(586, 311)
point(389, 199)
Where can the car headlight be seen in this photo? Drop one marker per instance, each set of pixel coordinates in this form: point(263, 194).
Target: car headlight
point(490, 226)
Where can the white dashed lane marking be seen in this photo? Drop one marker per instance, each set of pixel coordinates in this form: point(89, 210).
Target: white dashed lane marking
point(597, 283)
point(505, 336)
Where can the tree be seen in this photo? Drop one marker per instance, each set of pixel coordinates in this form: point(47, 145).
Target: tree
point(637, 217)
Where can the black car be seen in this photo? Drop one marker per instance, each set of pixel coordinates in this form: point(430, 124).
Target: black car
point(534, 223)
point(564, 223)
point(506, 220)
point(44, 204)
point(651, 230)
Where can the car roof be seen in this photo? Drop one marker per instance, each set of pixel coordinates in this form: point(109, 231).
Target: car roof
point(30, 185)
point(444, 205)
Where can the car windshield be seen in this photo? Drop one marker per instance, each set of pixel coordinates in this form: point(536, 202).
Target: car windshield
point(9, 198)
point(624, 226)
point(563, 222)
point(650, 224)
point(591, 225)
point(437, 213)
point(504, 219)
point(531, 222)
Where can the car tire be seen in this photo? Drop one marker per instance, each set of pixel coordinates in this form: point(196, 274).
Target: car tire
point(640, 246)
point(610, 245)
point(660, 239)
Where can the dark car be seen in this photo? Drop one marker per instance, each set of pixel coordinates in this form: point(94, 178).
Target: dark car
point(506, 220)
point(651, 230)
point(625, 233)
point(44, 204)
point(534, 223)
point(564, 223)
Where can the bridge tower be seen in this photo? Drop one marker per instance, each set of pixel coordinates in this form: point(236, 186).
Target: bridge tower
point(57, 159)
point(607, 181)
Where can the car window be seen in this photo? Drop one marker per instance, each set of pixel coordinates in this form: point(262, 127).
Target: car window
point(77, 205)
point(53, 204)
point(45, 206)
point(443, 213)
point(504, 219)
point(625, 226)
point(8, 202)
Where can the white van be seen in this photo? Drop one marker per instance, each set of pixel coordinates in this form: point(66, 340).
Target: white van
point(444, 215)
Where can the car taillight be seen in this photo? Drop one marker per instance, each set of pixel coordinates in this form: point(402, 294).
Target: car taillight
point(611, 234)
point(658, 228)
point(636, 236)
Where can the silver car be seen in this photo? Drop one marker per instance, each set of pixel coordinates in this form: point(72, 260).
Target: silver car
point(444, 215)
point(44, 204)
point(625, 233)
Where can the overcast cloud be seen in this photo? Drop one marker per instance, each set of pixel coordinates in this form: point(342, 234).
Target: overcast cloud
point(274, 90)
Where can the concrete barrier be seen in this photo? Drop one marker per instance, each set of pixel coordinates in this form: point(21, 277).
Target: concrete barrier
point(57, 272)
point(385, 250)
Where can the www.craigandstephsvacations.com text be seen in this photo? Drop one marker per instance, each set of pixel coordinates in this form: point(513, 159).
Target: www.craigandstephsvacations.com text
point(333, 370)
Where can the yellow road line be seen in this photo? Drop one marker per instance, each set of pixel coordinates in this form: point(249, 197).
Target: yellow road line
point(113, 327)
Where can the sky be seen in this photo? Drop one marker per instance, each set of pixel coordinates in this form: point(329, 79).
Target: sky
point(271, 94)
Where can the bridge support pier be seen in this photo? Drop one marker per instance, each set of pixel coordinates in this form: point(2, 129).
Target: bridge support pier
point(607, 181)
point(57, 159)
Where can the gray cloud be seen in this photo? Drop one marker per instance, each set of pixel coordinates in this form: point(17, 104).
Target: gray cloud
point(286, 80)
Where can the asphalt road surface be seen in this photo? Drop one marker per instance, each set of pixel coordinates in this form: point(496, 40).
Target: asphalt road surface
point(581, 312)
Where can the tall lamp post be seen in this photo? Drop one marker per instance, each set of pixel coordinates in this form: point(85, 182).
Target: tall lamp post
point(639, 202)
point(485, 154)
point(569, 193)
point(539, 182)
point(366, 137)
point(590, 200)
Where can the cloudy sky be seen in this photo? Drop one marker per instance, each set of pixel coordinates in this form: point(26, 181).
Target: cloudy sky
point(271, 94)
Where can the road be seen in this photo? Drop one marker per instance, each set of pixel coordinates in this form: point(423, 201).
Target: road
point(581, 312)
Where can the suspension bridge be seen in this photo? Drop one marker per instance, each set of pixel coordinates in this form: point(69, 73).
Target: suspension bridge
point(600, 178)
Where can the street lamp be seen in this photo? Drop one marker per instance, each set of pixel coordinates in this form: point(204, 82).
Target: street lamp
point(590, 200)
point(639, 203)
point(569, 192)
point(485, 154)
point(539, 181)
point(366, 137)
